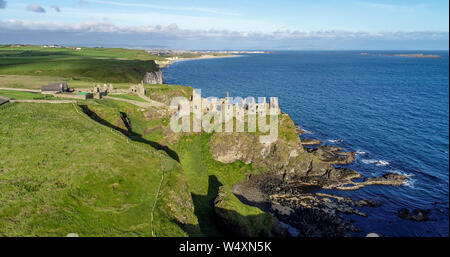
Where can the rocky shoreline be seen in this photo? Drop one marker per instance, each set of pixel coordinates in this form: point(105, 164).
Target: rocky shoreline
point(413, 55)
point(301, 205)
point(292, 186)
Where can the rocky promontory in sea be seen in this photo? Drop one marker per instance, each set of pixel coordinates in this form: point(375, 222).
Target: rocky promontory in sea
point(415, 55)
point(290, 175)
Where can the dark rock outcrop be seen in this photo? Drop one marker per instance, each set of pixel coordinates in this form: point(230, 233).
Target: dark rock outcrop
point(312, 214)
point(300, 131)
point(415, 215)
point(311, 142)
point(366, 202)
point(386, 179)
point(290, 176)
point(333, 155)
point(154, 77)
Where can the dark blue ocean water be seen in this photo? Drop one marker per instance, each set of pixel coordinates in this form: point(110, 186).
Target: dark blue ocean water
point(393, 110)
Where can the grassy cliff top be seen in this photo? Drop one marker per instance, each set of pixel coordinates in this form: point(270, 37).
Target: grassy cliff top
point(165, 93)
point(90, 65)
point(61, 172)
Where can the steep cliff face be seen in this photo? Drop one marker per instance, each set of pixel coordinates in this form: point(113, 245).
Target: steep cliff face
point(290, 163)
point(285, 157)
point(154, 77)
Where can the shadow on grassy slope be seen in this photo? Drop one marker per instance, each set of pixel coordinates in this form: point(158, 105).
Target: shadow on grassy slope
point(219, 222)
point(204, 208)
point(129, 133)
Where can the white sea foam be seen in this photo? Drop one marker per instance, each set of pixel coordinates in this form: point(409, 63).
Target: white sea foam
point(376, 162)
point(307, 131)
point(409, 182)
point(335, 141)
point(359, 152)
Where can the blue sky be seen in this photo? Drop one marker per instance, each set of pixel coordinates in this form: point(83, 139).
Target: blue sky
point(232, 24)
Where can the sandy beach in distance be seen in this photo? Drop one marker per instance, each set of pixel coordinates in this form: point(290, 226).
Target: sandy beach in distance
point(170, 61)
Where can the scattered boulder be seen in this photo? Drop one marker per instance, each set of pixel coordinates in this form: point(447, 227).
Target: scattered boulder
point(283, 210)
point(343, 175)
point(389, 178)
point(415, 215)
point(366, 202)
point(333, 155)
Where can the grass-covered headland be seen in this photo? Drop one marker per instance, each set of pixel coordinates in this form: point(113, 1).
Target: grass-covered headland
point(105, 167)
point(31, 66)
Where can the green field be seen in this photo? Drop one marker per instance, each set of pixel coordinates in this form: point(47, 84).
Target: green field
point(165, 93)
point(62, 172)
point(19, 95)
point(130, 96)
point(84, 66)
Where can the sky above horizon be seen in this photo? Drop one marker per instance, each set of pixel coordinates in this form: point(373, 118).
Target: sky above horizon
point(234, 24)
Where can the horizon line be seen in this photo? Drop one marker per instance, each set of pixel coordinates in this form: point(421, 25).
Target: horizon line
point(211, 49)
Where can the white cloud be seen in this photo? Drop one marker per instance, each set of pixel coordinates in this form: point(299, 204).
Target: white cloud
point(104, 33)
point(35, 8)
point(175, 31)
point(56, 8)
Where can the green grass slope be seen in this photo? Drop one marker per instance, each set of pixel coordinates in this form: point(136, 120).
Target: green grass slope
point(165, 93)
point(203, 175)
point(62, 172)
point(129, 96)
point(19, 95)
point(206, 177)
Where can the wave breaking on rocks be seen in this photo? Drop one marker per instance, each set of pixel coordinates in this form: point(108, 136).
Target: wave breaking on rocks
point(293, 177)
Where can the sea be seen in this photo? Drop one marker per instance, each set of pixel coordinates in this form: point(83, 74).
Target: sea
point(392, 111)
